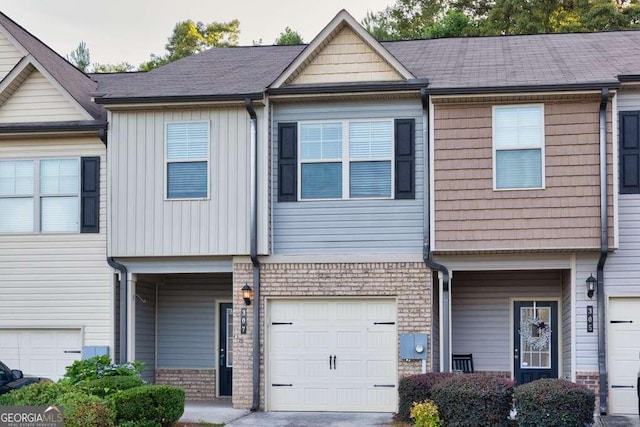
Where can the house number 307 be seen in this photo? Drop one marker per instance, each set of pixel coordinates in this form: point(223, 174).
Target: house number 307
point(243, 320)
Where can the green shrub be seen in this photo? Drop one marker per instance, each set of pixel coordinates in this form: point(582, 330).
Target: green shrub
point(416, 388)
point(98, 367)
point(425, 414)
point(38, 394)
point(106, 386)
point(554, 402)
point(472, 400)
point(149, 403)
point(81, 410)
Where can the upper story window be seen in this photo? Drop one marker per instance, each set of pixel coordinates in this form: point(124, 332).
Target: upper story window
point(518, 147)
point(629, 152)
point(346, 159)
point(40, 196)
point(187, 160)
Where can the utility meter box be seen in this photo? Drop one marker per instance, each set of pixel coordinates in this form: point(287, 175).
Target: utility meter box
point(413, 346)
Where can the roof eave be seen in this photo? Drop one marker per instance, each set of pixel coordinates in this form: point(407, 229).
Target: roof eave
point(415, 84)
point(36, 127)
point(523, 88)
point(111, 100)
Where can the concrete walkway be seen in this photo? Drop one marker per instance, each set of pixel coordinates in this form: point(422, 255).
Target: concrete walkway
point(618, 421)
point(313, 419)
point(211, 411)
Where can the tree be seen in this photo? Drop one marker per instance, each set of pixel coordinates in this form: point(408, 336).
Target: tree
point(189, 38)
point(80, 57)
point(121, 67)
point(405, 20)
point(289, 36)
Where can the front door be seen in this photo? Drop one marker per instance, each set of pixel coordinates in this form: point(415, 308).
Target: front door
point(226, 349)
point(535, 353)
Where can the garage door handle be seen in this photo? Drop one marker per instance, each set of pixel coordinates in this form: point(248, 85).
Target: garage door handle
point(622, 386)
point(73, 351)
point(281, 385)
point(334, 363)
point(621, 321)
point(384, 385)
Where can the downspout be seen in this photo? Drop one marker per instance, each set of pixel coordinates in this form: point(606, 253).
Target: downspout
point(604, 249)
point(124, 290)
point(254, 253)
point(426, 251)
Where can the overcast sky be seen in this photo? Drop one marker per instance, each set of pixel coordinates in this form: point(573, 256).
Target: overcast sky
point(130, 30)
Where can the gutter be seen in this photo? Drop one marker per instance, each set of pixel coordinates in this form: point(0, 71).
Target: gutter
point(412, 84)
point(124, 290)
point(523, 88)
point(427, 256)
point(604, 250)
point(254, 253)
point(177, 98)
point(72, 126)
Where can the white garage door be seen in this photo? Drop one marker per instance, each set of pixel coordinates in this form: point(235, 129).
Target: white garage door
point(332, 355)
point(624, 354)
point(40, 352)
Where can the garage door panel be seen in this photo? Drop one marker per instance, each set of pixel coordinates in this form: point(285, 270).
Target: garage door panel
point(623, 336)
point(365, 355)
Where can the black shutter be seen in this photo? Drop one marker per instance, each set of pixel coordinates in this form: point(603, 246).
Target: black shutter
point(630, 152)
point(90, 195)
point(287, 162)
point(405, 158)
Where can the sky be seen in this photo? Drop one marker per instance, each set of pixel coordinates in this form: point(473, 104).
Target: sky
point(130, 30)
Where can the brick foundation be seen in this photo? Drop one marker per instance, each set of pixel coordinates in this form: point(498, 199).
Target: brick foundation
point(198, 384)
point(408, 283)
point(592, 381)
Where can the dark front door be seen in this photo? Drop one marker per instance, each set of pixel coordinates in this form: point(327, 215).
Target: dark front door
point(535, 353)
point(226, 349)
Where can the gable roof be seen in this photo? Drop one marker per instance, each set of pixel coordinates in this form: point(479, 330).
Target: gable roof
point(338, 23)
point(75, 82)
point(454, 65)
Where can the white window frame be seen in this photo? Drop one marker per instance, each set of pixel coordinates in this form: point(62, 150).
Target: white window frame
point(529, 147)
point(37, 196)
point(187, 160)
point(346, 160)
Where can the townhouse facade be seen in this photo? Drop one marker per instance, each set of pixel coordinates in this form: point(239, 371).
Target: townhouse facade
point(298, 227)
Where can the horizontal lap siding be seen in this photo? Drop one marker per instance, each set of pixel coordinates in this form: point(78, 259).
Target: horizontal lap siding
point(470, 215)
point(143, 222)
point(187, 319)
point(9, 56)
point(57, 280)
point(480, 313)
point(350, 226)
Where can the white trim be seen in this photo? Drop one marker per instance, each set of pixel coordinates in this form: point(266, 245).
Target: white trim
point(21, 66)
point(13, 41)
point(343, 17)
point(616, 162)
point(517, 95)
point(131, 318)
point(206, 159)
point(531, 147)
point(502, 262)
point(574, 329)
point(513, 300)
point(432, 178)
point(345, 161)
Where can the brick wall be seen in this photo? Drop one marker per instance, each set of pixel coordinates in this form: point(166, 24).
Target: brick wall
point(408, 283)
point(591, 380)
point(198, 384)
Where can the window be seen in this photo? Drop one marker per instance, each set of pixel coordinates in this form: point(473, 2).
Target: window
point(518, 147)
point(40, 196)
point(187, 158)
point(629, 152)
point(346, 159)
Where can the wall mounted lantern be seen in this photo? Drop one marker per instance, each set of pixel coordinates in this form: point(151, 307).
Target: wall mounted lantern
point(591, 285)
point(247, 294)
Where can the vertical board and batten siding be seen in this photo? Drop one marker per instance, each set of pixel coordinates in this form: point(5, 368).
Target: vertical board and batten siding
point(146, 328)
point(481, 307)
point(187, 325)
point(37, 100)
point(566, 324)
point(9, 56)
point(57, 280)
point(144, 223)
point(346, 58)
point(470, 215)
point(586, 342)
point(349, 226)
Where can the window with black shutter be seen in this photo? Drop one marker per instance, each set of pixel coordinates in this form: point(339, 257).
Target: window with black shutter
point(630, 152)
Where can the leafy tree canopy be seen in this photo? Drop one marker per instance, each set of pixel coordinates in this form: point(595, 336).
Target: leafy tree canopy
point(189, 37)
point(289, 36)
point(80, 57)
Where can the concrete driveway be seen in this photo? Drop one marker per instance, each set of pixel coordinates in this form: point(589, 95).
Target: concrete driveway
point(313, 419)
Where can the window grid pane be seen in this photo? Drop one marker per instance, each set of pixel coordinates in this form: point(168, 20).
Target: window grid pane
point(369, 140)
point(187, 140)
point(321, 141)
point(321, 180)
point(519, 168)
point(16, 215)
point(16, 178)
point(370, 179)
point(187, 180)
point(517, 127)
point(59, 214)
point(59, 176)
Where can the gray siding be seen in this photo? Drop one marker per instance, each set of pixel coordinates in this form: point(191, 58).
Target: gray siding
point(481, 305)
point(628, 101)
point(586, 342)
point(435, 329)
point(187, 319)
point(146, 328)
point(143, 223)
point(566, 325)
point(349, 226)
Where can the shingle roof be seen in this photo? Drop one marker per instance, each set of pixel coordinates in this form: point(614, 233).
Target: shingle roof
point(455, 63)
point(78, 84)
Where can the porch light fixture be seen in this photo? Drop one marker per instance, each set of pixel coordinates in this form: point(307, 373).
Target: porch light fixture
point(247, 294)
point(591, 285)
